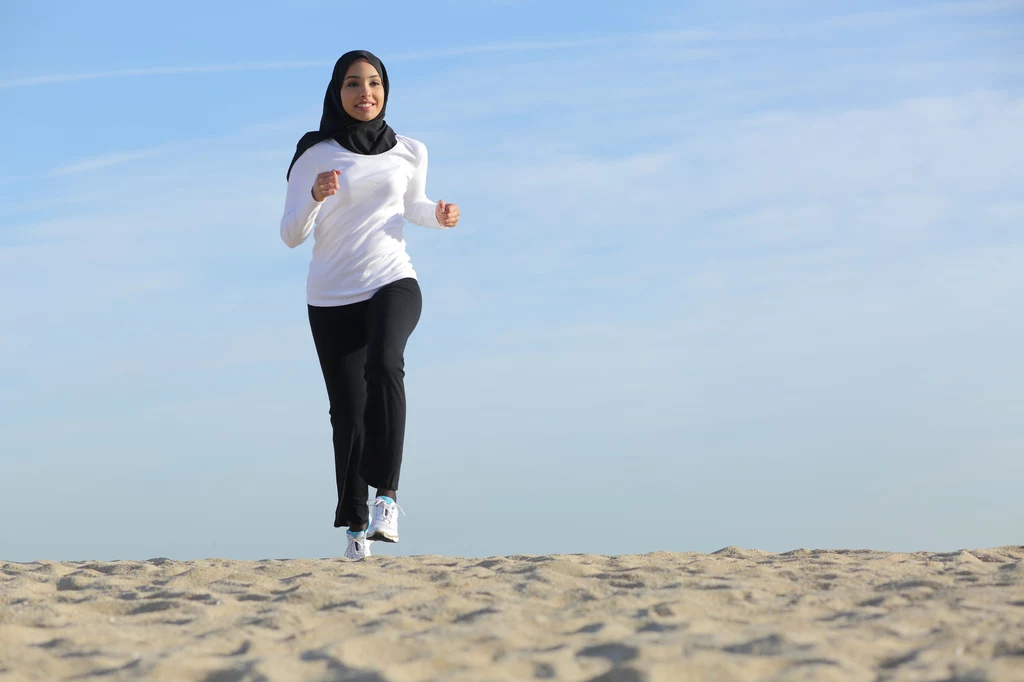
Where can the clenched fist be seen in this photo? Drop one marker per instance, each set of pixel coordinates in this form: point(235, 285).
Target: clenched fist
point(447, 214)
point(325, 185)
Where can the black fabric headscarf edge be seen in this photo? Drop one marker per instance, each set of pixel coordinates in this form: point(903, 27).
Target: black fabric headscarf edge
point(360, 137)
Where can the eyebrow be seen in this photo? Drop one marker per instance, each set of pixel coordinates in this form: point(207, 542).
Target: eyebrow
point(373, 76)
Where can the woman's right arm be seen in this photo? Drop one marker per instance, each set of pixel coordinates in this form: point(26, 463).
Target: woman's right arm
point(300, 208)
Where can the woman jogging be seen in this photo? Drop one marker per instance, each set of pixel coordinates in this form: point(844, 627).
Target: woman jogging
point(352, 184)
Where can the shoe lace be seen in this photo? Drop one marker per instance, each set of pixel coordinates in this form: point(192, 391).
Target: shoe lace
point(356, 546)
point(388, 509)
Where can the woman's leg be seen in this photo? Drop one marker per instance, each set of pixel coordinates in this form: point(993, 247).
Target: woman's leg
point(339, 336)
point(393, 313)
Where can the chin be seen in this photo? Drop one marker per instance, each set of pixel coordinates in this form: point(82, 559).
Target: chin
point(362, 115)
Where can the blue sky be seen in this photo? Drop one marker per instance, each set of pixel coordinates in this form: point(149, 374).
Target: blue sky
point(728, 273)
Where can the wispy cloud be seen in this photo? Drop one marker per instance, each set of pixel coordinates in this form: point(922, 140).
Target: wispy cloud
point(942, 9)
point(119, 157)
point(541, 46)
point(815, 24)
point(105, 160)
point(696, 35)
point(421, 55)
point(156, 71)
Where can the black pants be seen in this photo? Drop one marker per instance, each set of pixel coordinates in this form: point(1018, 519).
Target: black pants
point(361, 349)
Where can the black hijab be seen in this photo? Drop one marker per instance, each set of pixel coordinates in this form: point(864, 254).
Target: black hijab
point(361, 137)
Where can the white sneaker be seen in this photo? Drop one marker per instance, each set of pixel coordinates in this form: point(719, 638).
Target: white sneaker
point(358, 546)
point(384, 521)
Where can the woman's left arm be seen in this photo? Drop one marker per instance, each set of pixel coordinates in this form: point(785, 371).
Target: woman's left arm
point(419, 209)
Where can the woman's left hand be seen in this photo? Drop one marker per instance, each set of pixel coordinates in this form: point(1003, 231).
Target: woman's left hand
point(447, 214)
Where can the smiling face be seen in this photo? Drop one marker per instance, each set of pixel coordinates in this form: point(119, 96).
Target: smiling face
point(362, 91)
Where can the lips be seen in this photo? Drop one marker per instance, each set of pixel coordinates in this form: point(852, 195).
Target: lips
point(365, 105)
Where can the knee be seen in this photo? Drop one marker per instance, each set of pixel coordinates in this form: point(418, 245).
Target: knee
point(347, 416)
point(388, 363)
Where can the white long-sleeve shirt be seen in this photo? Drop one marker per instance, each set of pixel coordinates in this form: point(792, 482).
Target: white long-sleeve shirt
point(358, 245)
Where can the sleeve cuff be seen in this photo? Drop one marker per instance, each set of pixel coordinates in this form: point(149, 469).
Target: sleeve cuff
point(312, 206)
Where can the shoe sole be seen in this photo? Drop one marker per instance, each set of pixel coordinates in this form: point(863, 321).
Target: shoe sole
point(381, 536)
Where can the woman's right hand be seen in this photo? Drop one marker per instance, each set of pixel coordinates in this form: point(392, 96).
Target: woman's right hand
point(325, 185)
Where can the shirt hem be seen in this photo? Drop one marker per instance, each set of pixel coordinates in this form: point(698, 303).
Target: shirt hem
point(334, 301)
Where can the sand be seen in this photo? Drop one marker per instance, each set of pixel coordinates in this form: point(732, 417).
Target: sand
point(732, 615)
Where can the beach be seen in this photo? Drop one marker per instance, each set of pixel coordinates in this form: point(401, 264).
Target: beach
point(735, 614)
